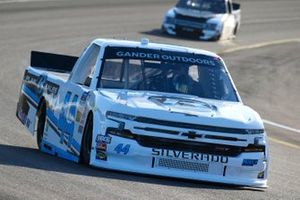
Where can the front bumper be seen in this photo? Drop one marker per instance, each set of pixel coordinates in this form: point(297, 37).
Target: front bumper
point(124, 154)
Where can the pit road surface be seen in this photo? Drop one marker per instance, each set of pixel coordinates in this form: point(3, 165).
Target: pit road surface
point(267, 78)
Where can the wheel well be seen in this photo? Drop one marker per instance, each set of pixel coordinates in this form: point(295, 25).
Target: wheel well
point(90, 115)
point(38, 111)
point(40, 104)
point(40, 121)
point(236, 29)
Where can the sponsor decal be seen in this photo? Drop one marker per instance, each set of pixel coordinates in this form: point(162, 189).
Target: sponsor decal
point(51, 88)
point(249, 162)
point(122, 149)
point(189, 155)
point(165, 56)
point(84, 97)
point(100, 155)
point(103, 139)
point(78, 116)
point(83, 117)
point(30, 78)
point(101, 146)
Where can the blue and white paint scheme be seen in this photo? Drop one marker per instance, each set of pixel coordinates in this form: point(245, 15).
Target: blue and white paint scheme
point(149, 108)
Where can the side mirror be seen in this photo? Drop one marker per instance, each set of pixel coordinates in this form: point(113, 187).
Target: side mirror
point(236, 6)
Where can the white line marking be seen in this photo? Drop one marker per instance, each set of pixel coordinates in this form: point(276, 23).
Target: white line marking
point(281, 126)
point(272, 20)
point(227, 43)
point(259, 45)
point(284, 143)
point(21, 1)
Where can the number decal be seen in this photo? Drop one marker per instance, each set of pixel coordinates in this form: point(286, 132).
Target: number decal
point(120, 148)
point(67, 116)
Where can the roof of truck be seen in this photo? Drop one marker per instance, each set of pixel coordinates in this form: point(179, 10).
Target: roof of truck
point(144, 43)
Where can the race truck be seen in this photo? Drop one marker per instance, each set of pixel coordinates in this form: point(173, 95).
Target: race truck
point(145, 108)
point(203, 19)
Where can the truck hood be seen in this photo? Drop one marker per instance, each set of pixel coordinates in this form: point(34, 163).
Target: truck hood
point(183, 108)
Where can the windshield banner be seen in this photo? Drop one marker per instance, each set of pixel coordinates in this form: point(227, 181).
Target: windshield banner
point(161, 55)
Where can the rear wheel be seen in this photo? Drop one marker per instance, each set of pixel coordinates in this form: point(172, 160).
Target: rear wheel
point(41, 117)
point(86, 143)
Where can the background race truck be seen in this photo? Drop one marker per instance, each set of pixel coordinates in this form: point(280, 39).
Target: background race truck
point(146, 108)
point(203, 19)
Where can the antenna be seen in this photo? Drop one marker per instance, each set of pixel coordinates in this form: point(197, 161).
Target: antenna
point(144, 41)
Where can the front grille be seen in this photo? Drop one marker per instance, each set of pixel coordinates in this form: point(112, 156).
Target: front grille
point(185, 145)
point(182, 31)
point(171, 132)
point(185, 165)
point(191, 19)
point(186, 24)
point(189, 146)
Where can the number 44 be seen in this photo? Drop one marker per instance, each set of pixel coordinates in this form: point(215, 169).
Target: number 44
point(120, 148)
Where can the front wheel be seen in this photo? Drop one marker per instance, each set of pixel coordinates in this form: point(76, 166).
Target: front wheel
point(235, 30)
point(86, 143)
point(217, 37)
point(41, 117)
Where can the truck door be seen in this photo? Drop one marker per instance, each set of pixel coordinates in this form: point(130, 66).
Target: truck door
point(229, 22)
point(73, 95)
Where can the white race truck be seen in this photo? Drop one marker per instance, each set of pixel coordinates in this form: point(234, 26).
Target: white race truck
point(203, 19)
point(146, 108)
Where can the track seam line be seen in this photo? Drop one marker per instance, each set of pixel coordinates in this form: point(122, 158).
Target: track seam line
point(281, 126)
point(258, 45)
point(283, 143)
point(22, 1)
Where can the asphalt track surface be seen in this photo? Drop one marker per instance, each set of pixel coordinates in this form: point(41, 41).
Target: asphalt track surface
point(267, 78)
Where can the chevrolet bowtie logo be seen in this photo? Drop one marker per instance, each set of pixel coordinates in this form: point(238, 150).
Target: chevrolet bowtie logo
point(192, 135)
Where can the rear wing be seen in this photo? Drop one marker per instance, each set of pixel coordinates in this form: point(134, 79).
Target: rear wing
point(52, 62)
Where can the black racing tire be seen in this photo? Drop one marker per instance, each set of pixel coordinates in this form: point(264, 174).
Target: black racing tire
point(163, 30)
point(218, 37)
point(41, 117)
point(86, 144)
point(235, 29)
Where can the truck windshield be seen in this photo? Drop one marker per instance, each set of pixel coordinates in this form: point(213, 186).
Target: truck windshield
point(214, 6)
point(165, 71)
